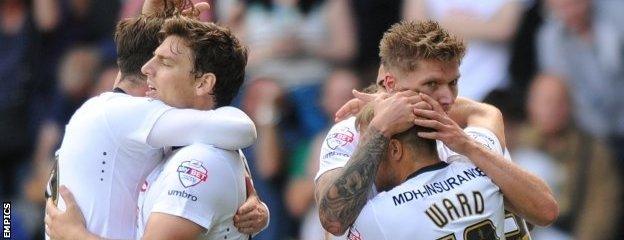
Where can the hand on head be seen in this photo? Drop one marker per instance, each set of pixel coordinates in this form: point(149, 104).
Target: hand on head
point(394, 113)
point(446, 130)
point(354, 106)
point(158, 6)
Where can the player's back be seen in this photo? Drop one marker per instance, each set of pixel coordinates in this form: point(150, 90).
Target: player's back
point(442, 201)
point(201, 183)
point(104, 159)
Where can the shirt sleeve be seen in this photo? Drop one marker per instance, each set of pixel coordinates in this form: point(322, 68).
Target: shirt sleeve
point(338, 146)
point(132, 118)
point(226, 127)
point(366, 226)
point(482, 135)
point(202, 191)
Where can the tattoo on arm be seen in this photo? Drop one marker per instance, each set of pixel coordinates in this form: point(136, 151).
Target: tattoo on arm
point(347, 195)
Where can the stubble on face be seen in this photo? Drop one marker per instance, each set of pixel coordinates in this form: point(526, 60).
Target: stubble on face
point(170, 77)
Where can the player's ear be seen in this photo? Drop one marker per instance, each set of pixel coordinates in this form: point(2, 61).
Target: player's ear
point(395, 150)
point(389, 82)
point(205, 84)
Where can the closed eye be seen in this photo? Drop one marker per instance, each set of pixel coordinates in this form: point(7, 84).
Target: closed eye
point(454, 82)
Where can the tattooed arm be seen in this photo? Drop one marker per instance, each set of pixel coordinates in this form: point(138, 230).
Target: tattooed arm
point(342, 193)
point(343, 200)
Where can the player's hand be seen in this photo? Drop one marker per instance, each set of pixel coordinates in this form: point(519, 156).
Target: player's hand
point(395, 113)
point(65, 225)
point(253, 215)
point(446, 130)
point(156, 6)
point(354, 106)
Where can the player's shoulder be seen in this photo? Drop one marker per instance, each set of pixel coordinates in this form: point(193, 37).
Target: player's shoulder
point(198, 162)
point(486, 137)
point(203, 153)
point(342, 134)
point(123, 102)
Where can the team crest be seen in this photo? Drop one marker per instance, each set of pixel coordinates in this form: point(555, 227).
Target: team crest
point(192, 173)
point(342, 137)
point(486, 141)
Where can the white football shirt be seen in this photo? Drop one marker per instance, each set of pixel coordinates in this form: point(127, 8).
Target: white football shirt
point(441, 201)
point(201, 183)
point(343, 138)
point(113, 141)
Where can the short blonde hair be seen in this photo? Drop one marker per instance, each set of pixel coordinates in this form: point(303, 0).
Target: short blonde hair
point(407, 42)
point(364, 117)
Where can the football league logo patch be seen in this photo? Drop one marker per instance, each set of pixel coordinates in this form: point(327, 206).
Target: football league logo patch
point(342, 137)
point(192, 173)
point(485, 140)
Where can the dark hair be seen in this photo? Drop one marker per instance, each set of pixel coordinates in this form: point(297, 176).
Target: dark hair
point(420, 145)
point(136, 40)
point(408, 137)
point(215, 50)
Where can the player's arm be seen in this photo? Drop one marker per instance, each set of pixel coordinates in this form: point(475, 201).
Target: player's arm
point(165, 226)
point(341, 200)
point(467, 112)
point(71, 225)
point(225, 127)
point(528, 194)
point(342, 193)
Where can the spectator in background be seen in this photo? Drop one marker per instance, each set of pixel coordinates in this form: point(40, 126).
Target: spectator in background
point(295, 43)
point(576, 166)
point(372, 19)
point(299, 192)
point(34, 35)
point(263, 102)
point(487, 26)
point(18, 36)
point(584, 40)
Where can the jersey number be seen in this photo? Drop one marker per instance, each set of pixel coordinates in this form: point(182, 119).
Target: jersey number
point(483, 230)
point(520, 230)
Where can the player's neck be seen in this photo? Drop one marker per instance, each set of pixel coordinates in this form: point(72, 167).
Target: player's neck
point(129, 85)
point(203, 103)
point(414, 165)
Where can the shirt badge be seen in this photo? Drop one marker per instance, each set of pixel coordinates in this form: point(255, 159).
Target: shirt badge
point(192, 173)
point(340, 138)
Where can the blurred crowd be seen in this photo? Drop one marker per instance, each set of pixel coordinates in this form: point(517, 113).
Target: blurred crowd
point(554, 67)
